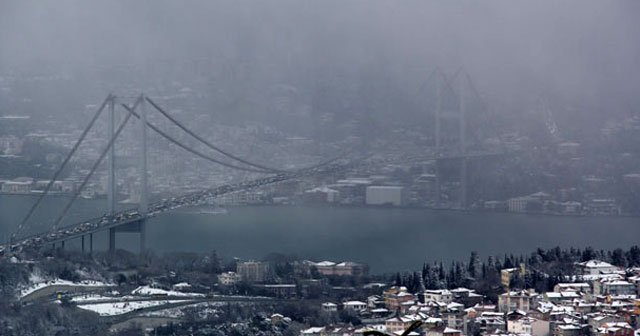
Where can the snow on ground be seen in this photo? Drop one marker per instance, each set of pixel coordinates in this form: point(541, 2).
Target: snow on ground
point(204, 310)
point(36, 277)
point(59, 282)
point(93, 298)
point(119, 308)
point(146, 290)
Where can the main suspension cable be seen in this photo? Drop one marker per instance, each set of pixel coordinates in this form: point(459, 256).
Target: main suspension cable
point(193, 151)
point(93, 169)
point(61, 168)
point(207, 143)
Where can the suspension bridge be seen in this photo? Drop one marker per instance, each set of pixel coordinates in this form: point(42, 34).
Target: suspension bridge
point(134, 220)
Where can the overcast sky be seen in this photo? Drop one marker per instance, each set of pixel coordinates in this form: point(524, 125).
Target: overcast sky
point(576, 49)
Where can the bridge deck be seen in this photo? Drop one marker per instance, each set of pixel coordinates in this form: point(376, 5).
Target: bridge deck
point(132, 215)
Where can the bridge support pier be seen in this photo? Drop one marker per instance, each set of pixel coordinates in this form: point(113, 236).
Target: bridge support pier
point(82, 244)
point(91, 243)
point(143, 235)
point(463, 183)
point(112, 240)
point(62, 245)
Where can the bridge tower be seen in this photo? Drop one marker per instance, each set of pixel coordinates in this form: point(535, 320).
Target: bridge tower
point(463, 144)
point(438, 117)
point(459, 117)
point(111, 178)
point(139, 227)
point(143, 174)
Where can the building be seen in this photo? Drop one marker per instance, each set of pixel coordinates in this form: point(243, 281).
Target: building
point(322, 195)
point(324, 267)
point(314, 331)
point(352, 190)
point(615, 329)
point(528, 325)
point(354, 305)
point(568, 330)
point(21, 185)
point(490, 321)
point(442, 331)
point(614, 287)
point(571, 207)
point(594, 267)
point(602, 207)
point(345, 268)
point(496, 205)
point(385, 195)
point(397, 325)
point(253, 271)
point(519, 204)
point(395, 297)
point(278, 318)
point(228, 278)
point(241, 198)
point(468, 297)
point(523, 300)
point(572, 287)
point(350, 268)
point(329, 307)
point(438, 295)
point(314, 287)
point(279, 290)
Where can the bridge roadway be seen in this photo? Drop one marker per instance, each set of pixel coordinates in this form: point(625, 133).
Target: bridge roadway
point(192, 199)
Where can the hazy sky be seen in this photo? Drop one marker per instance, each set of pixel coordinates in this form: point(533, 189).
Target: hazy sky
point(575, 49)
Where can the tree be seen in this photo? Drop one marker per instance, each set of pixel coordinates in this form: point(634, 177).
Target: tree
point(633, 256)
point(618, 258)
point(416, 283)
point(473, 264)
point(588, 254)
point(214, 263)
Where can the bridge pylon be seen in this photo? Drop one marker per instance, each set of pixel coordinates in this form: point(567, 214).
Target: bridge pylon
point(456, 115)
point(144, 202)
point(139, 226)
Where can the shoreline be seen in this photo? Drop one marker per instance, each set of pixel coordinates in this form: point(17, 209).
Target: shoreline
point(452, 210)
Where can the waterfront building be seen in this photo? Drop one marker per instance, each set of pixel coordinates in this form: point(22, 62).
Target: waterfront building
point(20, 185)
point(385, 195)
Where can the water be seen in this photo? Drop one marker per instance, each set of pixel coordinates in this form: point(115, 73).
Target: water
point(387, 239)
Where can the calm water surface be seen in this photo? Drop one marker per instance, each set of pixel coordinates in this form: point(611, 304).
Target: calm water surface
point(387, 239)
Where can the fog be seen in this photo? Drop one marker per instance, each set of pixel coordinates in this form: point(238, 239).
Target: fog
point(579, 52)
point(304, 151)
